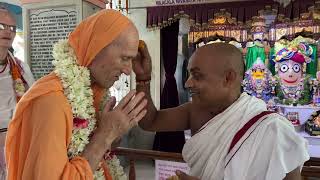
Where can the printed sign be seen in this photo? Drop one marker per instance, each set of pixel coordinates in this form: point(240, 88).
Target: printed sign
point(47, 26)
point(165, 169)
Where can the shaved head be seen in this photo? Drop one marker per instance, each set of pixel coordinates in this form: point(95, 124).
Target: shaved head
point(221, 57)
point(216, 74)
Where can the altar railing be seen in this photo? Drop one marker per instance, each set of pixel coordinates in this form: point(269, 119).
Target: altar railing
point(310, 169)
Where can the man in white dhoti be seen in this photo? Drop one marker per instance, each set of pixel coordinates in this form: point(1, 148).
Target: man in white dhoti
point(15, 79)
point(234, 136)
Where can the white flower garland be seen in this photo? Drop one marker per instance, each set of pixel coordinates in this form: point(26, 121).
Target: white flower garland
point(76, 84)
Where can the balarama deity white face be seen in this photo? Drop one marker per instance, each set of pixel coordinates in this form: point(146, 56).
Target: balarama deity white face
point(290, 72)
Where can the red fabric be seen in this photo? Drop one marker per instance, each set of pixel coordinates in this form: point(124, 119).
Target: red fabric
point(245, 128)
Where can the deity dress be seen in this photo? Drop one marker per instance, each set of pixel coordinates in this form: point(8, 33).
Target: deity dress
point(254, 50)
point(292, 83)
point(315, 87)
point(281, 43)
point(312, 65)
point(257, 81)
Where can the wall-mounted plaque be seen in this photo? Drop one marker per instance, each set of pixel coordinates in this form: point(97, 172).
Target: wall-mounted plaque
point(47, 26)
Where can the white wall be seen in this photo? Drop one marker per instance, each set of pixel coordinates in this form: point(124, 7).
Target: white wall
point(152, 39)
point(137, 137)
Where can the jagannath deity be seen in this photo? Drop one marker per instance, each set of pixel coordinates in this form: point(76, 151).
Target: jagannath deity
point(292, 87)
point(312, 126)
point(257, 81)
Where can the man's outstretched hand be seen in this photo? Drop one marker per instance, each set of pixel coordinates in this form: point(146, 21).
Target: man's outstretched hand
point(182, 176)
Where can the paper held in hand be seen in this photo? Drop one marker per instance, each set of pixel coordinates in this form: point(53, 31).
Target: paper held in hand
point(166, 169)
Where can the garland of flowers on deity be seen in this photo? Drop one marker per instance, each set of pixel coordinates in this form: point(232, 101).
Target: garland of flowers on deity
point(298, 45)
point(76, 83)
point(302, 96)
point(294, 92)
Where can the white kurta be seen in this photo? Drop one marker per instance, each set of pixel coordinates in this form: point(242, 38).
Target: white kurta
point(7, 93)
point(7, 96)
point(271, 151)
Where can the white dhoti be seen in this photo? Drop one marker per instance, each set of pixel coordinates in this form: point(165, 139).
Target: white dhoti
point(271, 151)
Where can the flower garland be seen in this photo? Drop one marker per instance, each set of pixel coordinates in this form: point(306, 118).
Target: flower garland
point(298, 45)
point(76, 83)
point(302, 96)
point(294, 93)
point(287, 53)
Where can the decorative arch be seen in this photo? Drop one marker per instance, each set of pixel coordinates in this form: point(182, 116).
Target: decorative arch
point(201, 14)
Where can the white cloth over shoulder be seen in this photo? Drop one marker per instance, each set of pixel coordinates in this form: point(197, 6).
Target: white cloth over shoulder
point(271, 151)
point(7, 96)
point(206, 151)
